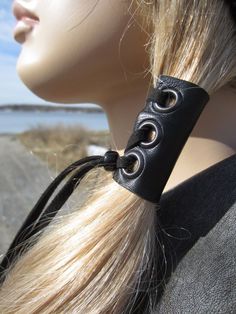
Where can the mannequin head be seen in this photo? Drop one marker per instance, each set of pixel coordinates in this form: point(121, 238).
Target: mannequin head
point(102, 258)
point(96, 51)
point(81, 51)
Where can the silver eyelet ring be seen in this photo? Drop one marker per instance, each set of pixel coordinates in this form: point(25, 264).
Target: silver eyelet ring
point(157, 136)
point(171, 107)
point(138, 169)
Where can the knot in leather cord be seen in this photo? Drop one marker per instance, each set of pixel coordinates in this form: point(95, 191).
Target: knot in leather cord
point(113, 161)
point(110, 160)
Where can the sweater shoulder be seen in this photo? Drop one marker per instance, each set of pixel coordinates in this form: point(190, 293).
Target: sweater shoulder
point(198, 231)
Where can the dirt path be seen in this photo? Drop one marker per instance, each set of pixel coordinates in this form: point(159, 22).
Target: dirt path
point(23, 178)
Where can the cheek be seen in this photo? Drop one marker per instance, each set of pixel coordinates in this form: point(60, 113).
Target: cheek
point(57, 37)
point(65, 46)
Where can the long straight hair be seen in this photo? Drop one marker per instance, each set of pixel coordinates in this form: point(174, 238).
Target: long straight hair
point(97, 258)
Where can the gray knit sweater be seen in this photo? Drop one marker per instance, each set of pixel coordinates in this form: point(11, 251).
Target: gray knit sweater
point(198, 232)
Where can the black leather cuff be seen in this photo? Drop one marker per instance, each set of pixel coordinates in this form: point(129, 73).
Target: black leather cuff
point(170, 120)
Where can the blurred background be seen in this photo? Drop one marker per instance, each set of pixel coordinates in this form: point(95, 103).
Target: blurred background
point(37, 138)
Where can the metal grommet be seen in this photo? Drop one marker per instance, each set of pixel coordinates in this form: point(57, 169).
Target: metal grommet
point(135, 169)
point(172, 100)
point(155, 134)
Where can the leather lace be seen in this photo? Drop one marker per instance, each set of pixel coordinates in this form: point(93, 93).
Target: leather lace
point(42, 213)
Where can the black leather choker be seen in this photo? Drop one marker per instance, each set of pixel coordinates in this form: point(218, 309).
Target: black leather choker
point(160, 132)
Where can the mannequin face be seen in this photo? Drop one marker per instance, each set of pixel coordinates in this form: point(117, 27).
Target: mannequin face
point(73, 55)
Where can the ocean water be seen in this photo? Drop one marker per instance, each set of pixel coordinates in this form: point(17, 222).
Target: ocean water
point(19, 121)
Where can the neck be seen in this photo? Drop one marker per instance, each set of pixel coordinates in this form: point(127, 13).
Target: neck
point(211, 140)
point(122, 111)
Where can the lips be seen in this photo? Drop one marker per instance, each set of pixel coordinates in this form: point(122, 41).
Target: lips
point(27, 20)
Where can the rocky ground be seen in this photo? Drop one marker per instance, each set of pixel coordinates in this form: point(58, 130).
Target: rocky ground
point(23, 177)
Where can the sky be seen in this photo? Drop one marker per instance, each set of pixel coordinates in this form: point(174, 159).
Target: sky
point(12, 90)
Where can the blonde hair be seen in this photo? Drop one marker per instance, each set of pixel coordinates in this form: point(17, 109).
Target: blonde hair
point(97, 258)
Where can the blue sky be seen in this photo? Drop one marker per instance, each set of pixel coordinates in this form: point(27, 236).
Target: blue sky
point(12, 90)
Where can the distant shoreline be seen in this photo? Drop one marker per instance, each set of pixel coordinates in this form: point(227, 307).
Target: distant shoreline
point(46, 108)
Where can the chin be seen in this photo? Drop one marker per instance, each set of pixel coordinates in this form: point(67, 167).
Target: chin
point(45, 88)
point(49, 91)
point(54, 84)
